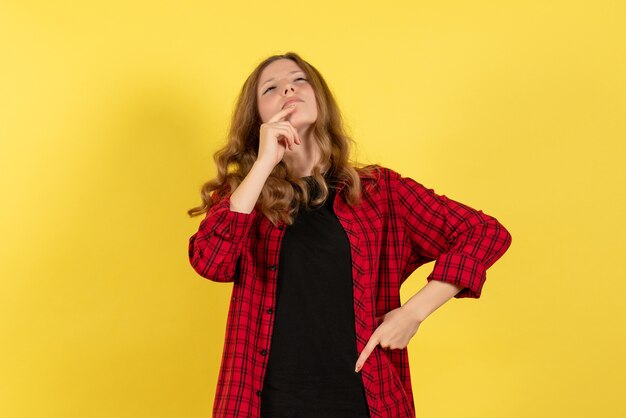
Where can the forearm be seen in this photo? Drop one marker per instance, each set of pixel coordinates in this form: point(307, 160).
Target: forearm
point(430, 297)
point(247, 193)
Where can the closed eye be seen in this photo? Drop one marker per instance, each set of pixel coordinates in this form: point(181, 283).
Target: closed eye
point(271, 87)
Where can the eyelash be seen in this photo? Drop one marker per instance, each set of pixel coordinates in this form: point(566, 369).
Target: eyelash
point(268, 89)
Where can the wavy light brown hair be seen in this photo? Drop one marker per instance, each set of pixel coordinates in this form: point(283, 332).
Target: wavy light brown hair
point(284, 193)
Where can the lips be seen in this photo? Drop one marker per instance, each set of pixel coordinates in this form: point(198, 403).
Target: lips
point(290, 101)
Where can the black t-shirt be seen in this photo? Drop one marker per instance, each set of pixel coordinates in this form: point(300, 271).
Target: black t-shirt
point(310, 371)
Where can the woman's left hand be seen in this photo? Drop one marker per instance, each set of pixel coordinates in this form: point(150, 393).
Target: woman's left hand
point(395, 330)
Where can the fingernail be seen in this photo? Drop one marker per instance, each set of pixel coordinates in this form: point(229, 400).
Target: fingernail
point(356, 369)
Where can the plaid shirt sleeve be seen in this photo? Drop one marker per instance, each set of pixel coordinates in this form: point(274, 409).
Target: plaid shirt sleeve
point(463, 241)
point(215, 249)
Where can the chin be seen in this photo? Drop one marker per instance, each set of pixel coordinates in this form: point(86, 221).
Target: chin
point(298, 123)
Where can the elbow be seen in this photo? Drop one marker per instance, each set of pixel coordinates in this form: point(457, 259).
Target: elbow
point(210, 271)
point(498, 232)
point(210, 267)
point(504, 236)
point(500, 242)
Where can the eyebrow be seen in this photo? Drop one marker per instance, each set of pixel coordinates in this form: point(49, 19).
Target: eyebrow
point(271, 79)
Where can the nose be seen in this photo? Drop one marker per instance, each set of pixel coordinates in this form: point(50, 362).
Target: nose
point(289, 88)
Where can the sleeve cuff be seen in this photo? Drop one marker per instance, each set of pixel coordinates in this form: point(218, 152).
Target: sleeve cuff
point(461, 270)
point(228, 224)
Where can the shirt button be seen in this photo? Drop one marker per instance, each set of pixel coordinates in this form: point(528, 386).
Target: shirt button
point(258, 393)
point(263, 352)
point(270, 310)
point(273, 267)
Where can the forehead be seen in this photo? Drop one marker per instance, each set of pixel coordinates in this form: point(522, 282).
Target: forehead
point(278, 69)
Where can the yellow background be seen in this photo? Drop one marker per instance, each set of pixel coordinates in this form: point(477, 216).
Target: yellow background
point(110, 113)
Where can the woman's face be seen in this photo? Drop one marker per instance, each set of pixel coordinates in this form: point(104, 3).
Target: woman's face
point(282, 81)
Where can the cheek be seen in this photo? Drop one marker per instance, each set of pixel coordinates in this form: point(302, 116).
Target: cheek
point(313, 106)
point(312, 102)
point(264, 111)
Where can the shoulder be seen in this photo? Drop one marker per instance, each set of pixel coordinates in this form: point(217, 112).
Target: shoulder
point(380, 182)
point(394, 186)
point(378, 174)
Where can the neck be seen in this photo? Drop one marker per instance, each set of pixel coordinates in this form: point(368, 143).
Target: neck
point(304, 156)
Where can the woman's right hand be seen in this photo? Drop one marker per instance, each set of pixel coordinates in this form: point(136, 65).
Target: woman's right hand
point(275, 136)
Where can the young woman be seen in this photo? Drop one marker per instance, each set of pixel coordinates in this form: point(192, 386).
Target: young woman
point(317, 248)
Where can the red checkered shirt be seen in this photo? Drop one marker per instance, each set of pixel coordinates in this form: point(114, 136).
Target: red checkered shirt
point(399, 226)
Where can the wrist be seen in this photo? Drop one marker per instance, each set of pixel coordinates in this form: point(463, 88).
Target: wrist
point(415, 311)
point(263, 166)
